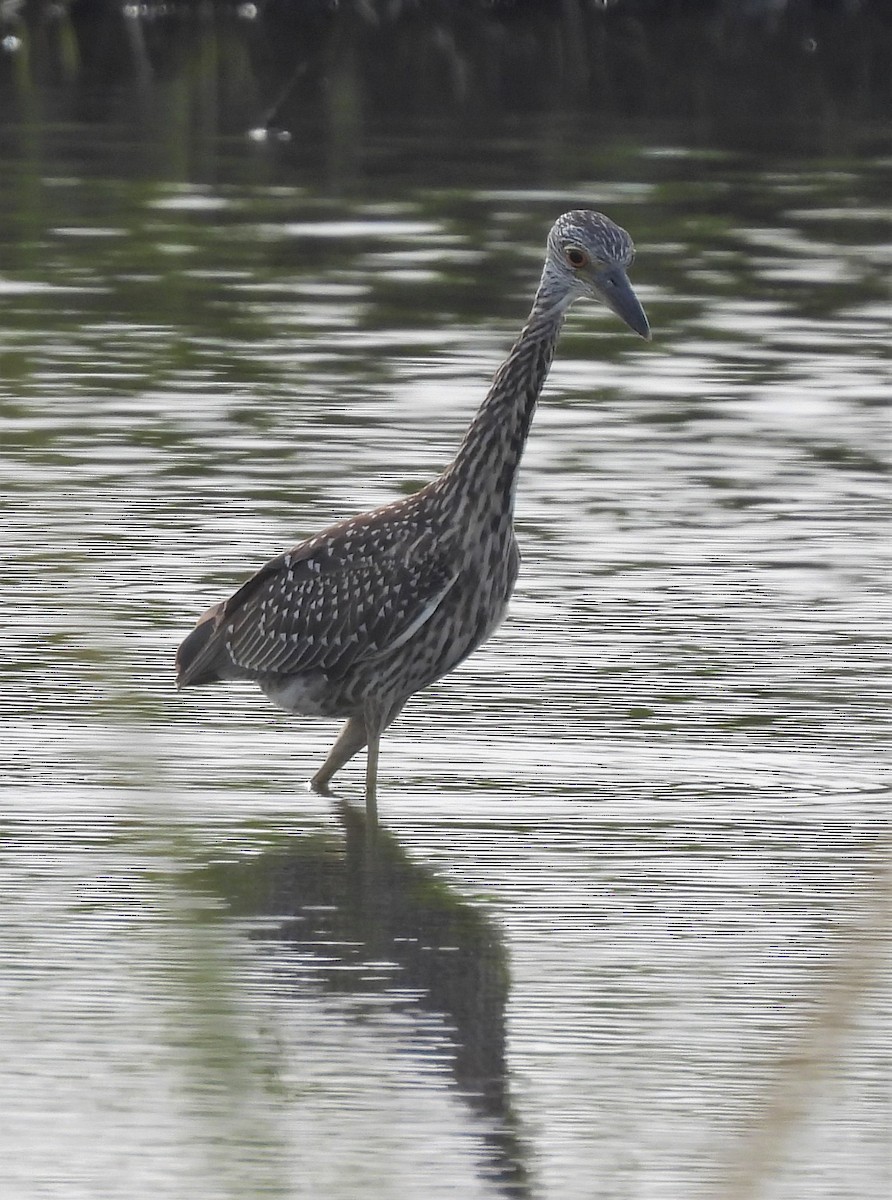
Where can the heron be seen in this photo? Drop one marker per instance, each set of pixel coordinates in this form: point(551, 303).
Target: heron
point(353, 621)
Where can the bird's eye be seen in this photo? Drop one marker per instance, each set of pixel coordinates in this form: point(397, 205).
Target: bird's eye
point(575, 256)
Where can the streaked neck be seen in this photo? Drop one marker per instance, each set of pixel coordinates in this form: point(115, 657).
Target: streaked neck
point(488, 459)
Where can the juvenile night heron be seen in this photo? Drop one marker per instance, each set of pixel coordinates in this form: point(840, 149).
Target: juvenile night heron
point(354, 621)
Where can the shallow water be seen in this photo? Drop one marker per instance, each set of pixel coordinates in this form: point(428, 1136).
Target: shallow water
point(626, 929)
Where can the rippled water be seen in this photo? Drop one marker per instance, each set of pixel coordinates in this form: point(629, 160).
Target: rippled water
point(625, 933)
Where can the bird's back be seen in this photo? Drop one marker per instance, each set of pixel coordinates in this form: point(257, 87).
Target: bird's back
point(391, 600)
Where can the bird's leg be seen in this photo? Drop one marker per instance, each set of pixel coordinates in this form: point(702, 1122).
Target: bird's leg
point(371, 781)
point(351, 739)
point(373, 733)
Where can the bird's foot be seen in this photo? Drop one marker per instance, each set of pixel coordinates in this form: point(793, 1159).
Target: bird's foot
point(319, 786)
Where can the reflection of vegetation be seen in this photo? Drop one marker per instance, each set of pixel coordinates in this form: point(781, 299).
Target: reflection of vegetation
point(366, 904)
point(100, 111)
point(744, 73)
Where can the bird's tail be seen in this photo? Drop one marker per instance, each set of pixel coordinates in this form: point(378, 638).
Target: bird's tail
point(197, 656)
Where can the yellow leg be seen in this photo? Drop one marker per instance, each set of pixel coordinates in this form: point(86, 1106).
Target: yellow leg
point(351, 739)
point(371, 779)
point(358, 732)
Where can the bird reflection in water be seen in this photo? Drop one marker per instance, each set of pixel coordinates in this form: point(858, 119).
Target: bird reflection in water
point(363, 900)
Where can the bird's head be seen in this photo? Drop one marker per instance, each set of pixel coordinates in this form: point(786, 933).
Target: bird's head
point(589, 255)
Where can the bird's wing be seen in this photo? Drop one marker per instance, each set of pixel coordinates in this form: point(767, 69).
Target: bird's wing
point(355, 592)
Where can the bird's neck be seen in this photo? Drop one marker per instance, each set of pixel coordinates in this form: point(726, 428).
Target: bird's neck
point(486, 466)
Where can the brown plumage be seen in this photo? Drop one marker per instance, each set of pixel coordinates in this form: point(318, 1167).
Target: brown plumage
point(354, 621)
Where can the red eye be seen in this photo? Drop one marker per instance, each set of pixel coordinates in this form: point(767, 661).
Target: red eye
point(576, 257)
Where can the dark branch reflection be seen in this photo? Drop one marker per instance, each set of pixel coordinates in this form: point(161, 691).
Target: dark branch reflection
point(362, 901)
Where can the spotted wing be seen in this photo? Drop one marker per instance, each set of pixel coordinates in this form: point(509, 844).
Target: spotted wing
point(355, 592)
